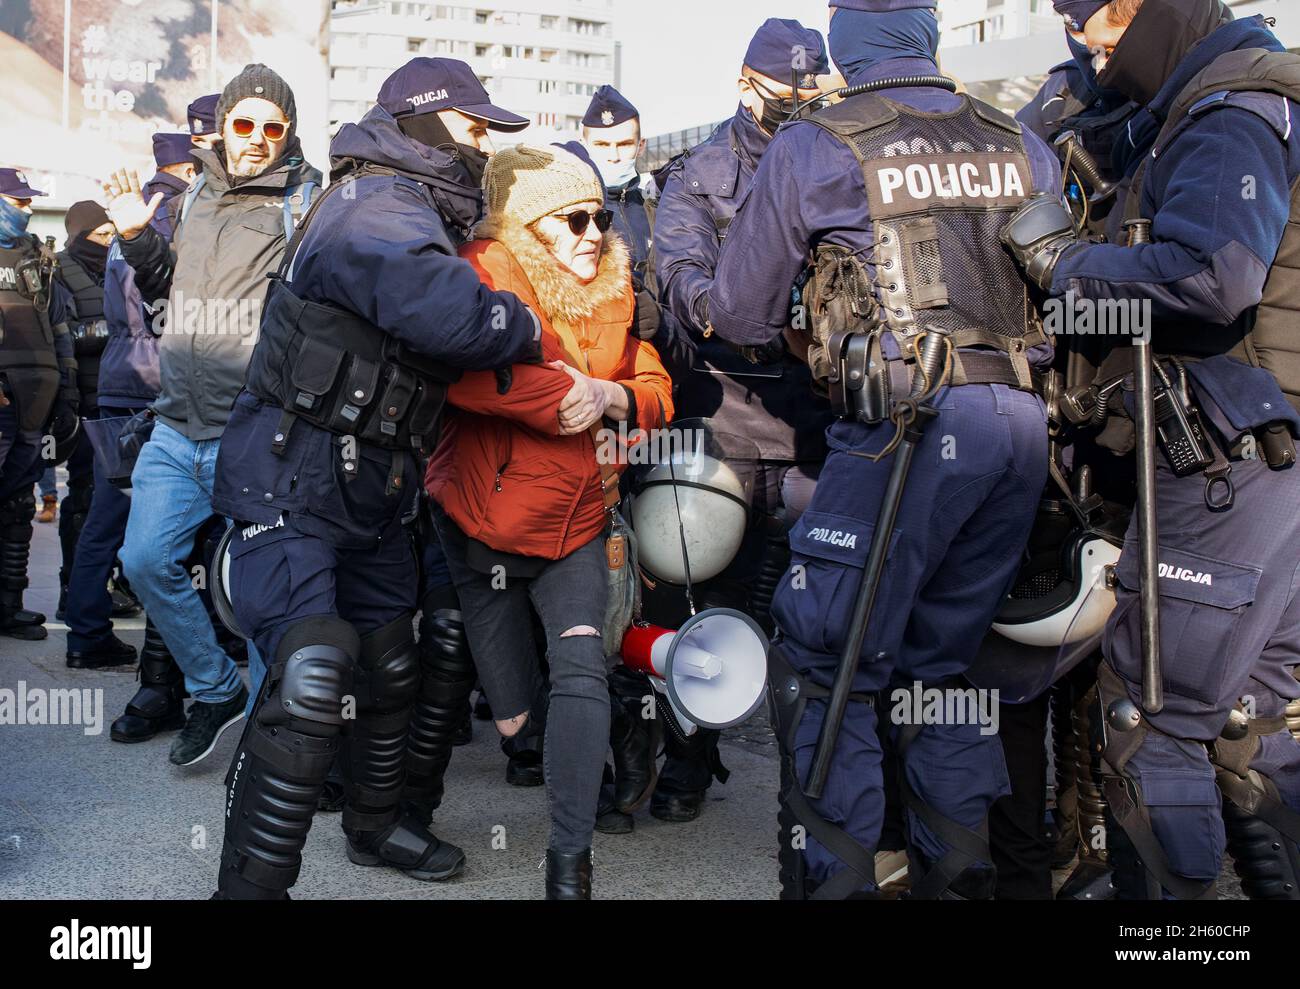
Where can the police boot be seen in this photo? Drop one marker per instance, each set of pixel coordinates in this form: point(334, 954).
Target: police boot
point(1093, 878)
point(634, 740)
point(1266, 861)
point(158, 704)
point(609, 819)
point(16, 514)
point(441, 705)
point(691, 764)
point(1065, 752)
point(568, 875)
point(374, 762)
point(72, 519)
point(125, 603)
point(772, 567)
point(279, 769)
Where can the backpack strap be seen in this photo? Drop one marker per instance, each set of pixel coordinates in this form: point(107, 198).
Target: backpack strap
point(297, 200)
point(191, 194)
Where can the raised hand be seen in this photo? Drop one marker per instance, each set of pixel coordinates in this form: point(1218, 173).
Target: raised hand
point(125, 204)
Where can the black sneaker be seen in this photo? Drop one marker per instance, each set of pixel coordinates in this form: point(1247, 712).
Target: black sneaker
point(204, 726)
point(109, 651)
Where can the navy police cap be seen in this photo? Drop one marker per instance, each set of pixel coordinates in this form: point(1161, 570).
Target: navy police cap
point(608, 108)
point(14, 183)
point(782, 46)
point(201, 115)
point(1077, 12)
point(426, 85)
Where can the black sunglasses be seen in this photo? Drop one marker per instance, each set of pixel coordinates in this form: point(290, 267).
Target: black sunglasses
point(578, 221)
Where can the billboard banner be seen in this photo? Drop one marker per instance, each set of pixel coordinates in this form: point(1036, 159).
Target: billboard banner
point(88, 82)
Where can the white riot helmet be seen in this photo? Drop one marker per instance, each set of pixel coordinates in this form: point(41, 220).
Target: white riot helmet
point(219, 584)
point(697, 494)
point(1056, 611)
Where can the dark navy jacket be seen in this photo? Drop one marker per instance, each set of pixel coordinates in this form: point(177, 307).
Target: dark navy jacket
point(382, 247)
point(809, 190)
point(128, 368)
point(1212, 244)
point(772, 404)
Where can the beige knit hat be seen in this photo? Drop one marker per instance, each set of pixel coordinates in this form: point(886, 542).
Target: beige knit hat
point(526, 183)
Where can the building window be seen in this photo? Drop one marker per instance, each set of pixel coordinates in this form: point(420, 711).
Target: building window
point(548, 54)
point(480, 51)
point(481, 16)
point(414, 45)
point(549, 22)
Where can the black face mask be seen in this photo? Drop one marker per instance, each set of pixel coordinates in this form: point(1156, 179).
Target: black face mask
point(473, 161)
point(93, 257)
point(429, 130)
point(1158, 38)
point(776, 110)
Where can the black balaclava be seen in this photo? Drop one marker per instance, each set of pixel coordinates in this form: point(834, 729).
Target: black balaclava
point(429, 130)
point(1160, 35)
point(83, 218)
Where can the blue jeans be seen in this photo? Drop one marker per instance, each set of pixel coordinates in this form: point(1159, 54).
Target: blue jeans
point(47, 483)
point(171, 498)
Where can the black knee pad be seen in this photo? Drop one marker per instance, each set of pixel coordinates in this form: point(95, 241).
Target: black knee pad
point(314, 667)
point(388, 672)
point(1267, 862)
point(442, 701)
point(16, 514)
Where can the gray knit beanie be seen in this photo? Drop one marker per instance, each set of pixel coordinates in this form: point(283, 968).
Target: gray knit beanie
point(264, 83)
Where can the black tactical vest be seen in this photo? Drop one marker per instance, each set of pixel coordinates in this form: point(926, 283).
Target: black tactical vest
point(941, 186)
point(1267, 336)
point(29, 364)
point(342, 373)
point(90, 331)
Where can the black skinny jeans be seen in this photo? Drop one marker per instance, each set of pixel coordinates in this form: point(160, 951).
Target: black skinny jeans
point(567, 594)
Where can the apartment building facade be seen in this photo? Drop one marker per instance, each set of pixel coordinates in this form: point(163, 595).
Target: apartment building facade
point(541, 59)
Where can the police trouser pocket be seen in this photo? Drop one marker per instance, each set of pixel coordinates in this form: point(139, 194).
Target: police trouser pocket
point(828, 558)
point(1203, 604)
point(1185, 817)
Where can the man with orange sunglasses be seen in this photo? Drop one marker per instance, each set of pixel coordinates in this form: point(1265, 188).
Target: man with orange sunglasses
point(230, 229)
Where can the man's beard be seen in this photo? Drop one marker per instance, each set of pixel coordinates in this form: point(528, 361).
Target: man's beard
point(246, 168)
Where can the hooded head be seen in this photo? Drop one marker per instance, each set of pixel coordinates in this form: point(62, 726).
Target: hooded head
point(90, 231)
point(864, 33)
point(1138, 52)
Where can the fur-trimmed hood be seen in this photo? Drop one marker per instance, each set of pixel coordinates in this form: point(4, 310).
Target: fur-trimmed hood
point(559, 292)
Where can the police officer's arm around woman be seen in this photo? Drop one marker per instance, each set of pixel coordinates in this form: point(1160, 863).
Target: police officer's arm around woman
point(520, 494)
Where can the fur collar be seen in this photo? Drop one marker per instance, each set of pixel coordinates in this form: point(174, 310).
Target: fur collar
point(559, 293)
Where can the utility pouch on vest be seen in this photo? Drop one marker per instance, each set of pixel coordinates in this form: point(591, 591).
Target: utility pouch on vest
point(337, 371)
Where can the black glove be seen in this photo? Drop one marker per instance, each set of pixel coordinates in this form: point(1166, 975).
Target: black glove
point(648, 316)
point(1039, 234)
point(772, 352)
point(505, 378)
point(63, 420)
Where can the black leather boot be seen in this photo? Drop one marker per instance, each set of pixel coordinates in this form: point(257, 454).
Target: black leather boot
point(568, 875)
point(158, 704)
point(16, 516)
point(72, 519)
point(441, 708)
point(633, 739)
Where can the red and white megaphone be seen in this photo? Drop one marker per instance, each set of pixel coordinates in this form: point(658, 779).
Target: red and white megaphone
point(713, 668)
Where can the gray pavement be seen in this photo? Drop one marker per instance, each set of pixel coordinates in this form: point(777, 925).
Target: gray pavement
point(84, 817)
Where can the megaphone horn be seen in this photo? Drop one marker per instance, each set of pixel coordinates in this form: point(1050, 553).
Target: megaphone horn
point(713, 669)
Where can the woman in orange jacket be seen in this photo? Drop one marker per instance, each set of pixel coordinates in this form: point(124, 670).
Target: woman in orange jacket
point(521, 495)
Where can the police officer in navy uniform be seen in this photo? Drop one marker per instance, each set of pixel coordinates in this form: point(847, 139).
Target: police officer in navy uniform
point(370, 318)
point(898, 194)
point(765, 393)
point(1100, 120)
point(38, 390)
point(1219, 287)
point(81, 272)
